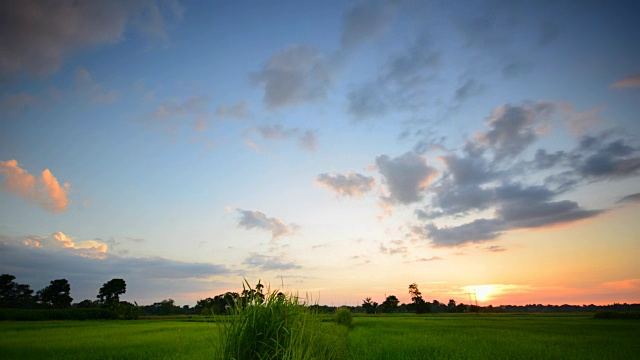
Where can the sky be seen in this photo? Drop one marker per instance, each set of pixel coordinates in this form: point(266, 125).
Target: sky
point(334, 149)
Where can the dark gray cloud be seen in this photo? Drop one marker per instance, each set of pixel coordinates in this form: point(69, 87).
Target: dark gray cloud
point(259, 220)
point(37, 266)
point(37, 36)
point(406, 177)
point(477, 231)
point(513, 128)
point(265, 262)
point(365, 21)
point(296, 74)
point(348, 184)
point(516, 206)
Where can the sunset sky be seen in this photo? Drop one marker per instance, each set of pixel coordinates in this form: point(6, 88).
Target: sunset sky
point(341, 149)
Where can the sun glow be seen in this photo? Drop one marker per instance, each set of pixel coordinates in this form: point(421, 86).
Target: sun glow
point(482, 292)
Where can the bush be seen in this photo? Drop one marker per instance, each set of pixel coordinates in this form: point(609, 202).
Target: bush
point(278, 326)
point(343, 317)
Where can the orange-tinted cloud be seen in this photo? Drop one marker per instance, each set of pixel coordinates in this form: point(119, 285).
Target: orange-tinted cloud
point(58, 240)
point(45, 191)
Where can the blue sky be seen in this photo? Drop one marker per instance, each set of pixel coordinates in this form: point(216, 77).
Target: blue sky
point(341, 149)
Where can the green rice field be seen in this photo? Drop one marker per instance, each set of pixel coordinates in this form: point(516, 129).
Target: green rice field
point(438, 336)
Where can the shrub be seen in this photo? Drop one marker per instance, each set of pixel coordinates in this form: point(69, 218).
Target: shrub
point(278, 326)
point(343, 317)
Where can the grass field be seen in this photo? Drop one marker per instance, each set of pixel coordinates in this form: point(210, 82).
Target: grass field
point(442, 336)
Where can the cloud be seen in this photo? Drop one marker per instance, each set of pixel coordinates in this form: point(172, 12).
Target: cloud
point(365, 21)
point(495, 248)
point(44, 191)
point(37, 36)
point(517, 207)
point(366, 101)
point(239, 111)
point(433, 258)
point(632, 198)
point(631, 81)
point(264, 262)
point(477, 231)
point(406, 177)
point(307, 139)
point(470, 88)
point(348, 184)
point(93, 89)
point(296, 74)
point(400, 83)
point(597, 157)
point(172, 113)
point(259, 220)
point(396, 247)
point(14, 104)
point(513, 128)
point(55, 258)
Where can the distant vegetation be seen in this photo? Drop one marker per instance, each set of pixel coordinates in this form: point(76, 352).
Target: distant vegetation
point(56, 296)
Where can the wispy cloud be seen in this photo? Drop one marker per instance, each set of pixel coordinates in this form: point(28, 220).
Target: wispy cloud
point(631, 81)
point(306, 139)
point(348, 184)
point(259, 220)
point(266, 262)
point(44, 191)
point(239, 111)
point(296, 74)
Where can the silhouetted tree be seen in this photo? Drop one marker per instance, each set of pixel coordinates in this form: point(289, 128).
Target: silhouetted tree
point(369, 306)
point(110, 291)
point(390, 304)
point(452, 306)
point(56, 295)
point(420, 305)
point(14, 295)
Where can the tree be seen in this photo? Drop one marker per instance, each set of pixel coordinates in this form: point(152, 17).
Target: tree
point(14, 295)
point(390, 304)
point(110, 291)
point(421, 306)
point(452, 306)
point(56, 295)
point(369, 306)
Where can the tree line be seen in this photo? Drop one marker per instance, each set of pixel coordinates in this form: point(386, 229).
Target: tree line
point(56, 295)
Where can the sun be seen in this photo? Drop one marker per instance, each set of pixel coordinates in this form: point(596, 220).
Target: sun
point(482, 292)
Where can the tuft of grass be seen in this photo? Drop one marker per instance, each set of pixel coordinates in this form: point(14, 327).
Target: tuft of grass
point(343, 317)
point(277, 326)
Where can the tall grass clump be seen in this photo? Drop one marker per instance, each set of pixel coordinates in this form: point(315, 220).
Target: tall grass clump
point(277, 326)
point(343, 317)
